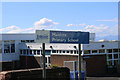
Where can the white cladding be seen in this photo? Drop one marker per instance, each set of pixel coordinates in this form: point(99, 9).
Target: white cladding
point(18, 45)
point(17, 38)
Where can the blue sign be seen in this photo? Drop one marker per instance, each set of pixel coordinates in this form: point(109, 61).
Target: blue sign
point(69, 37)
point(75, 37)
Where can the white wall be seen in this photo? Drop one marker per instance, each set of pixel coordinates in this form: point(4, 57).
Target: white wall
point(17, 38)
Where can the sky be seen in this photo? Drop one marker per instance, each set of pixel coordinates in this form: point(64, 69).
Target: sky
point(94, 17)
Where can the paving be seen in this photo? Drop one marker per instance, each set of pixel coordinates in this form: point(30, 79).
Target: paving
point(103, 78)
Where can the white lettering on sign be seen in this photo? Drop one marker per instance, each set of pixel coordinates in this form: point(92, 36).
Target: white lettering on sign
point(59, 40)
point(73, 40)
point(59, 35)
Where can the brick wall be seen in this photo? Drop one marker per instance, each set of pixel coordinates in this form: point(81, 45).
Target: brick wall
point(96, 65)
point(36, 74)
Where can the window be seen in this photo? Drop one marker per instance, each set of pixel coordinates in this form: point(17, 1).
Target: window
point(34, 51)
point(6, 47)
point(27, 51)
point(115, 50)
point(67, 51)
point(20, 51)
point(38, 52)
point(115, 56)
point(31, 40)
point(12, 46)
point(0, 46)
point(53, 51)
point(60, 51)
point(86, 51)
point(109, 56)
point(71, 52)
point(109, 63)
point(63, 51)
point(109, 50)
point(57, 51)
point(115, 62)
point(75, 52)
point(45, 59)
point(94, 51)
point(27, 41)
point(49, 59)
point(102, 51)
point(24, 51)
point(30, 51)
point(22, 40)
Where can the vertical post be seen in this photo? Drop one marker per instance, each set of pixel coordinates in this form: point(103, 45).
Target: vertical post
point(79, 60)
point(43, 59)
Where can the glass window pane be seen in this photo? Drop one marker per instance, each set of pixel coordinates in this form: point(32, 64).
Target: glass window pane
point(115, 62)
point(6, 47)
point(24, 51)
point(45, 59)
point(109, 56)
point(49, 59)
point(109, 50)
point(71, 52)
point(115, 56)
point(67, 51)
point(63, 51)
point(12, 46)
point(109, 63)
point(53, 51)
point(0, 46)
point(75, 52)
point(86, 51)
point(34, 52)
point(20, 51)
point(94, 51)
point(115, 50)
point(30, 51)
point(102, 51)
point(22, 40)
point(38, 52)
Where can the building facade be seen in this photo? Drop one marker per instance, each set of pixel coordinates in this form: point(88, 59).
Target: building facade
point(22, 51)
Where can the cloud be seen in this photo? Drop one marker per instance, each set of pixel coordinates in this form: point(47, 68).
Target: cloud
point(76, 25)
point(112, 20)
point(102, 30)
point(44, 23)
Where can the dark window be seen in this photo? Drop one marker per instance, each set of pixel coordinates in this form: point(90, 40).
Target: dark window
point(22, 40)
point(20, 51)
point(63, 51)
point(38, 52)
point(109, 50)
point(71, 52)
point(30, 51)
point(115, 50)
point(6, 47)
point(86, 51)
point(101, 51)
point(34, 52)
point(31, 40)
point(0, 46)
point(53, 51)
point(12, 46)
point(45, 59)
point(94, 51)
point(67, 51)
point(115, 56)
point(49, 59)
point(24, 51)
point(74, 52)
